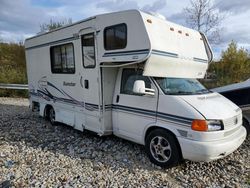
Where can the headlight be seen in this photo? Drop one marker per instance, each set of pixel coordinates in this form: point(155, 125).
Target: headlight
point(214, 125)
point(207, 125)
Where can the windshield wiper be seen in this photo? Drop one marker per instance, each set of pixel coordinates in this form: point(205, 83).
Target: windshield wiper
point(203, 91)
point(181, 92)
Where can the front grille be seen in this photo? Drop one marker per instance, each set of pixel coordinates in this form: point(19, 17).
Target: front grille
point(231, 131)
point(233, 121)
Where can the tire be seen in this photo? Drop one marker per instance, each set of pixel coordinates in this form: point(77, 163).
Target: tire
point(162, 148)
point(51, 115)
point(246, 125)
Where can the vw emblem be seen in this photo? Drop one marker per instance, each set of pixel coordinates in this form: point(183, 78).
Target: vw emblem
point(235, 121)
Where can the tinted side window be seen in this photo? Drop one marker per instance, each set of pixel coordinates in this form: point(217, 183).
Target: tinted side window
point(88, 50)
point(62, 59)
point(115, 37)
point(129, 76)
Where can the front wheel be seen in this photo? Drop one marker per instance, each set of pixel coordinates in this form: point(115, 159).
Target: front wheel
point(162, 148)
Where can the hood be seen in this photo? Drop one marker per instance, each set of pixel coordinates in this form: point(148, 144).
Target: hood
point(212, 105)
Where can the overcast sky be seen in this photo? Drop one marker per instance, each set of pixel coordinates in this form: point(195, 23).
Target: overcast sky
point(20, 19)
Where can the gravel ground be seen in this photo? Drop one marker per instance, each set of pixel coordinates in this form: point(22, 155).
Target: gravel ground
point(35, 154)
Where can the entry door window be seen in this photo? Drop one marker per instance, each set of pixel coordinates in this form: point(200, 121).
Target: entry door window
point(88, 50)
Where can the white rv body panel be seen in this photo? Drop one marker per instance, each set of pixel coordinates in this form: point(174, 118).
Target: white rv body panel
point(172, 55)
point(100, 98)
point(138, 43)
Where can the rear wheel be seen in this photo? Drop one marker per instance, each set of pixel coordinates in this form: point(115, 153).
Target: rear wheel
point(162, 148)
point(246, 125)
point(51, 115)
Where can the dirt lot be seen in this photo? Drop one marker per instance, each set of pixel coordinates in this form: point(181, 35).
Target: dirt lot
point(35, 154)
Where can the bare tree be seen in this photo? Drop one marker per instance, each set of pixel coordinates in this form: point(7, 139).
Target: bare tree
point(54, 25)
point(203, 16)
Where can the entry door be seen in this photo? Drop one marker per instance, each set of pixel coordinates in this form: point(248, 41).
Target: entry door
point(89, 81)
point(132, 112)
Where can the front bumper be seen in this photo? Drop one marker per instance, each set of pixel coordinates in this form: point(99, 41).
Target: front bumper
point(211, 150)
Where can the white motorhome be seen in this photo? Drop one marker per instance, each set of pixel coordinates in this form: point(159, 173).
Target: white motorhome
point(133, 75)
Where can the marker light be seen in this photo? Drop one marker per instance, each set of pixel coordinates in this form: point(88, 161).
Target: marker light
point(149, 21)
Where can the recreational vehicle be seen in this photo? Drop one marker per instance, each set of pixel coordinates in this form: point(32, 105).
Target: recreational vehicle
point(133, 75)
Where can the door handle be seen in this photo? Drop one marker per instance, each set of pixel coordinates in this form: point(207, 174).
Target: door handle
point(117, 98)
point(86, 84)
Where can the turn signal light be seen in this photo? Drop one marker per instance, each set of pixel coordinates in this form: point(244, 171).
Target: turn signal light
point(199, 125)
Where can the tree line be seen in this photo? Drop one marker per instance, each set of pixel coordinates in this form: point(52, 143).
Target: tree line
point(13, 64)
point(12, 68)
point(233, 67)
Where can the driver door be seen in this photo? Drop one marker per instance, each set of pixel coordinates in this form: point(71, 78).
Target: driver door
point(133, 112)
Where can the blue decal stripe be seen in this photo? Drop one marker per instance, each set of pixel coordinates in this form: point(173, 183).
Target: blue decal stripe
point(200, 60)
point(169, 117)
point(93, 105)
point(127, 109)
point(163, 53)
point(42, 92)
point(124, 53)
point(176, 117)
point(52, 85)
point(152, 113)
point(172, 121)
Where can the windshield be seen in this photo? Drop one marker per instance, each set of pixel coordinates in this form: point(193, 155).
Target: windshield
point(181, 86)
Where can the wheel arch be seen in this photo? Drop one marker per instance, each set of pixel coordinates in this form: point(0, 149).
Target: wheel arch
point(154, 127)
point(46, 110)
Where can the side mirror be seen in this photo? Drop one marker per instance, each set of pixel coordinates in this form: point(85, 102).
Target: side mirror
point(139, 88)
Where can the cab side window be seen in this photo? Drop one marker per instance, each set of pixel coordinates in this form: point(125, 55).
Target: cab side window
point(129, 76)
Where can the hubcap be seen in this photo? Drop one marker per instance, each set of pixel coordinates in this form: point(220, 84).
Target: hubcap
point(52, 115)
point(160, 149)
